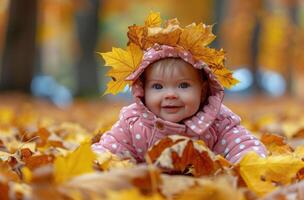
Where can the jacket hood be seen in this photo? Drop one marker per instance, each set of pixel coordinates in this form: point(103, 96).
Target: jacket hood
point(158, 52)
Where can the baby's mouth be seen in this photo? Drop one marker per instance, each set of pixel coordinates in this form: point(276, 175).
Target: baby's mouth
point(171, 108)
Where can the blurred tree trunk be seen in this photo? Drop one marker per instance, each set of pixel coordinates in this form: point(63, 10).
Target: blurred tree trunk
point(87, 30)
point(19, 49)
point(218, 16)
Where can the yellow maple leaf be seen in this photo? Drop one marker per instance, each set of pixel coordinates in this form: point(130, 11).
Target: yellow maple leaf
point(263, 175)
point(195, 36)
point(153, 19)
point(214, 58)
point(225, 77)
point(123, 63)
point(114, 87)
point(76, 163)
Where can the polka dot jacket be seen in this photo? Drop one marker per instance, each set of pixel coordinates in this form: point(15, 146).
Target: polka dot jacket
point(138, 128)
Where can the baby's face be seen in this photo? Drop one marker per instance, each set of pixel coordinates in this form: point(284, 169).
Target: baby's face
point(176, 95)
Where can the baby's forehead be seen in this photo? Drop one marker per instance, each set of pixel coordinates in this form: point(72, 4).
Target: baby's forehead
point(172, 68)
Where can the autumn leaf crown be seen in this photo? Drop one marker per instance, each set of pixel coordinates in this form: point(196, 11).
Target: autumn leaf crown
point(193, 38)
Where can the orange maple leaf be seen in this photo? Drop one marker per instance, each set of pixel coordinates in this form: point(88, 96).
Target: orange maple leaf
point(169, 35)
point(180, 154)
point(276, 144)
point(194, 37)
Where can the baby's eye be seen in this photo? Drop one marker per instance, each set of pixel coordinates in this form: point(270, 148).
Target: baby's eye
point(157, 86)
point(184, 85)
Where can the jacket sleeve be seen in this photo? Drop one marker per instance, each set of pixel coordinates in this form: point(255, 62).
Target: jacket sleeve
point(234, 141)
point(118, 140)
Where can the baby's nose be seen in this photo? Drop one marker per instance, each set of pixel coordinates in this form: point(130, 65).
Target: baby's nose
point(171, 94)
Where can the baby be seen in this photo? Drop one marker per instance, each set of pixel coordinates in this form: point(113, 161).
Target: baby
point(177, 84)
point(176, 95)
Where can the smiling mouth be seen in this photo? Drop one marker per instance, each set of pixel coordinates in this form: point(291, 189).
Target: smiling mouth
point(171, 109)
point(171, 106)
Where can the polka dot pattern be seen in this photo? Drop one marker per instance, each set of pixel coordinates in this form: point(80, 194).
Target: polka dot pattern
point(235, 131)
point(145, 115)
point(237, 140)
point(138, 136)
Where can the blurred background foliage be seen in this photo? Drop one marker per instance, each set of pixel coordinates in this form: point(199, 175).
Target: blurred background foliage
point(48, 47)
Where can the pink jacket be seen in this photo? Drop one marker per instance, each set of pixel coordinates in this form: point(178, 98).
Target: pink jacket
point(138, 128)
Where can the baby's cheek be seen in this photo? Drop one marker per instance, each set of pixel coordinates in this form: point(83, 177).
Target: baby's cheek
point(194, 104)
point(152, 102)
point(193, 96)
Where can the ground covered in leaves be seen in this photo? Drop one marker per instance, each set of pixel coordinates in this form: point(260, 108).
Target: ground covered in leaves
point(45, 154)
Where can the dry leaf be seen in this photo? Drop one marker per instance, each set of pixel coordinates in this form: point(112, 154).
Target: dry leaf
point(136, 35)
point(179, 154)
point(153, 19)
point(276, 144)
point(78, 162)
point(144, 178)
point(217, 189)
point(263, 175)
point(33, 162)
point(292, 127)
point(123, 63)
point(108, 161)
point(226, 78)
point(194, 37)
point(168, 35)
point(214, 58)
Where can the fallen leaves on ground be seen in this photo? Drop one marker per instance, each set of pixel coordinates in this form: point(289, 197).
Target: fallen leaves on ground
point(45, 154)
